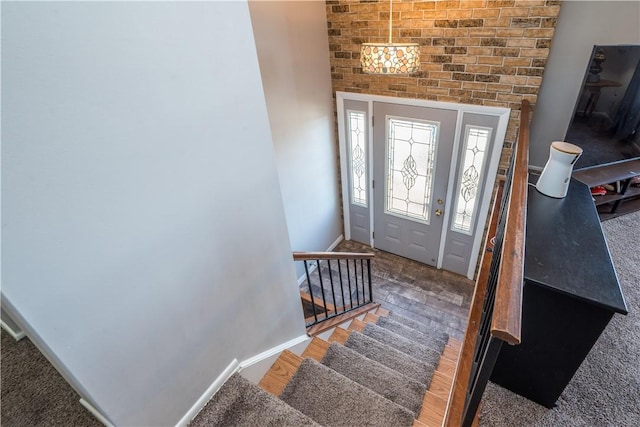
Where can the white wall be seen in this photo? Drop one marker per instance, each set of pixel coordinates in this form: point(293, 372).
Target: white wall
point(293, 49)
point(144, 237)
point(581, 25)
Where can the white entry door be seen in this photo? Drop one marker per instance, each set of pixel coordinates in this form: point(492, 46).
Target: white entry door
point(412, 148)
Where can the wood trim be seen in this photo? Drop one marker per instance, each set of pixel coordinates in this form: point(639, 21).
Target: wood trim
point(277, 378)
point(318, 328)
point(463, 368)
point(311, 256)
point(507, 312)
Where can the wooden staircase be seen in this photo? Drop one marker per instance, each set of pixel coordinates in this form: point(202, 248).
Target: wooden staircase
point(435, 399)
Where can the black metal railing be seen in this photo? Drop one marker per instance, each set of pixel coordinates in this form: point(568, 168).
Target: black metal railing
point(335, 283)
point(488, 346)
point(496, 307)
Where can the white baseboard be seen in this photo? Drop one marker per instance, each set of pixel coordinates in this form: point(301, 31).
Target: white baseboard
point(17, 335)
point(231, 369)
point(255, 367)
point(336, 243)
point(95, 413)
point(313, 267)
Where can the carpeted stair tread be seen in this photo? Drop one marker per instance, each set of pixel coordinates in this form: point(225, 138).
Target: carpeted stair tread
point(413, 324)
point(414, 349)
point(332, 399)
point(385, 381)
point(434, 339)
point(390, 357)
point(240, 403)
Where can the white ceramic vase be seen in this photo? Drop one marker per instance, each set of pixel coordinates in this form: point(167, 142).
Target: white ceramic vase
point(554, 181)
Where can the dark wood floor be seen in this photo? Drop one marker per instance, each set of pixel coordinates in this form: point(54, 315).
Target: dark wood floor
point(418, 291)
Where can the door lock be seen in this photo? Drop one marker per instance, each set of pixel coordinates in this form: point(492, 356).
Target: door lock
point(438, 212)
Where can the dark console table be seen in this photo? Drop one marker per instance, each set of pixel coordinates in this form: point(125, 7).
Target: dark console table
point(570, 293)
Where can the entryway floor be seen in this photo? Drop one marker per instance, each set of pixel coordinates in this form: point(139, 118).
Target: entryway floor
point(418, 291)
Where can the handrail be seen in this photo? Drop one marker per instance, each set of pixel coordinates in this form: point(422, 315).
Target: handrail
point(309, 256)
point(495, 314)
point(507, 315)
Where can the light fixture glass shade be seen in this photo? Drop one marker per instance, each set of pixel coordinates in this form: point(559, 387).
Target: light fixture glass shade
point(390, 58)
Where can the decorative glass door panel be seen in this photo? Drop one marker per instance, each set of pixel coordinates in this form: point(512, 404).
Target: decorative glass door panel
point(410, 167)
point(469, 188)
point(476, 144)
point(357, 153)
point(412, 149)
point(356, 122)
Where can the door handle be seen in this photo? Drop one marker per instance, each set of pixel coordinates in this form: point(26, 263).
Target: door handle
point(438, 212)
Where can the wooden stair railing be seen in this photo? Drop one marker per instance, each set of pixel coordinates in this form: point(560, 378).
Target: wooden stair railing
point(338, 291)
point(496, 308)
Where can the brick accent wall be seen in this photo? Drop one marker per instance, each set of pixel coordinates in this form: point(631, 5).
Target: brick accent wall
point(472, 51)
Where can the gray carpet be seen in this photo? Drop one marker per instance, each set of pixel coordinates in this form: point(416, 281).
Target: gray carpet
point(401, 343)
point(33, 392)
point(605, 391)
point(435, 339)
point(375, 376)
point(391, 357)
point(426, 328)
point(240, 403)
point(334, 400)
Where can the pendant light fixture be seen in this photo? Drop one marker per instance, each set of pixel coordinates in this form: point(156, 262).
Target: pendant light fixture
point(390, 58)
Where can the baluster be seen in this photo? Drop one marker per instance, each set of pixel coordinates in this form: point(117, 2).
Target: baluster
point(324, 299)
point(364, 296)
point(355, 273)
point(313, 305)
point(369, 273)
point(344, 302)
point(349, 282)
point(333, 293)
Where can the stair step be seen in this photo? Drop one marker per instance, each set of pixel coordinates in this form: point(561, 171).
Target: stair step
point(339, 335)
point(241, 403)
point(390, 357)
point(412, 348)
point(434, 339)
point(277, 378)
point(440, 385)
point(357, 325)
point(451, 351)
point(382, 311)
point(328, 397)
point(434, 319)
point(318, 328)
point(316, 349)
point(447, 367)
point(433, 410)
point(371, 318)
point(413, 324)
point(384, 381)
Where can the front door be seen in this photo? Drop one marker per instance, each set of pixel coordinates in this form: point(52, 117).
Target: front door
point(412, 149)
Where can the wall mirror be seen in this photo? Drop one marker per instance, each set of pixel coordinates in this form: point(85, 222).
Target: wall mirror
point(606, 119)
